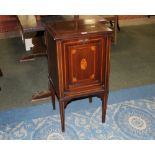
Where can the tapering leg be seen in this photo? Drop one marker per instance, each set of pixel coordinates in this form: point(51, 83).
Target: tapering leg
point(62, 115)
point(52, 96)
point(90, 99)
point(104, 106)
point(1, 74)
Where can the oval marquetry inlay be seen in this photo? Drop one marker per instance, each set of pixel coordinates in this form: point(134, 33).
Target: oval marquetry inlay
point(93, 48)
point(92, 76)
point(83, 64)
point(73, 51)
point(74, 79)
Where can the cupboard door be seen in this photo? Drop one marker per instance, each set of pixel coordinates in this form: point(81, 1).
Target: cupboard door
point(83, 62)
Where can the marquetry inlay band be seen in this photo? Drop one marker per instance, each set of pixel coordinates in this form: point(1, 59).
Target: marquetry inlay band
point(83, 64)
point(92, 76)
point(93, 48)
point(73, 51)
point(74, 79)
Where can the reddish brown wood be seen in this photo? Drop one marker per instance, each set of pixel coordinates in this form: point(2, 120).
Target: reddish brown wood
point(8, 23)
point(104, 98)
point(62, 114)
point(39, 45)
point(8, 18)
point(78, 60)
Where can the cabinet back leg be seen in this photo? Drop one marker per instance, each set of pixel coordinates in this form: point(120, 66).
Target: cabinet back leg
point(52, 96)
point(90, 99)
point(53, 100)
point(104, 107)
point(62, 115)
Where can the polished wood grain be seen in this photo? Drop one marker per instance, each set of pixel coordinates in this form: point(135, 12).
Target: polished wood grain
point(78, 61)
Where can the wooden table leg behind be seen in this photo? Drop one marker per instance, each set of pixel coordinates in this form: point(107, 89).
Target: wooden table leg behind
point(38, 49)
point(1, 74)
point(41, 95)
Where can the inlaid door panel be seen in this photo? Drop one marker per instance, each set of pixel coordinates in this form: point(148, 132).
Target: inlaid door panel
point(82, 63)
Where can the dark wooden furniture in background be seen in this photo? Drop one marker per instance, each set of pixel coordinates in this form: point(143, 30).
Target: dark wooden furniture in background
point(114, 24)
point(78, 60)
point(8, 26)
point(33, 27)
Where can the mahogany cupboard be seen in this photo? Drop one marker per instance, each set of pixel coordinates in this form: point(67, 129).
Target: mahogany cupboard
point(79, 61)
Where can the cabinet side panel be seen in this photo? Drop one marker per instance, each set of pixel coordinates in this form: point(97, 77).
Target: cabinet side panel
point(107, 69)
point(52, 61)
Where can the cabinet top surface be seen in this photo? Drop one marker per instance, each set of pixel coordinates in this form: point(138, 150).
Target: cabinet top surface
point(76, 28)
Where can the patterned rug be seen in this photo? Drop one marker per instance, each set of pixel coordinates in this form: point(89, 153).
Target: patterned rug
point(126, 119)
